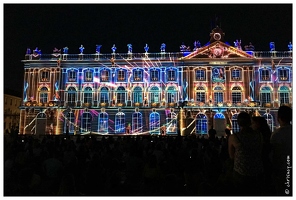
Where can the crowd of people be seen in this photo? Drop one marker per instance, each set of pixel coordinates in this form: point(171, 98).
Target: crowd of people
point(251, 162)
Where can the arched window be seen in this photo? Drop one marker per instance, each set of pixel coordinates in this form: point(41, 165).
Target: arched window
point(71, 96)
point(121, 94)
point(172, 94)
point(200, 94)
point(86, 119)
point(171, 123)
point(219, 116)
point(120, 123)
point(284, 95)
point(269, 119)
point(265, 95)
point(137, 125)
point(87, 95)
point(137, 95)
point(69, 123)
point(235, 126)
point(41, 116)
point(104, 95)
point(201, 124)
point(236, 94)
point(103, 123)
point(218, 94)
point(43, 96)
point(155, 94)
point(154, 122)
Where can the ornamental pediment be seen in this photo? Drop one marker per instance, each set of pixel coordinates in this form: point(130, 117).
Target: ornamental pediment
point(218, 49)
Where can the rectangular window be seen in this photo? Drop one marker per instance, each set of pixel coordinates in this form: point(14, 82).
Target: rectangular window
point(200, 96)
point(200, 75)
point(284, 97)
point(44, 76)
point(88, 76)
point(104, 97)
point(265, 76)
point(138, 97)
point(171, 75)
point(236, 97)
point(218, 97)
point(171, 97)
point(72, 75)
point(71, 97)
point(138, 75)
point(283, 75)
point(121, 75)
point(87, 97)
point(105, 76)
point(121, 97)
point(154, 75)
point(236, 75)
point(265, 98)
point(11, 102)
point(43, 97)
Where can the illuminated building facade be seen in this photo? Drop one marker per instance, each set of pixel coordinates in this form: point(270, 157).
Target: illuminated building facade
point(12, 102)
point(184, 93)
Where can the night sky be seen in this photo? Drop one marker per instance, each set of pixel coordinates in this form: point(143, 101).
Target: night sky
point(47, 26)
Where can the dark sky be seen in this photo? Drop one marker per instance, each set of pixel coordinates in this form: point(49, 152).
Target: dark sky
point(47, 26)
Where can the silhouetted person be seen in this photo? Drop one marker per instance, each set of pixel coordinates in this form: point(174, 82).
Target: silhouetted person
point(281, 143)
point(259, 123)
point(212, 133)
point(245, 149)
point(67, 186)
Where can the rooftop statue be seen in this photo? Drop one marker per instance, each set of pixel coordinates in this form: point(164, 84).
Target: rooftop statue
point(146, 48)
point(98, 48)
point(272, 46)
point(65, 50)
point(290, 46)
point(55, 50)
point(81, 48)
point(28, 51)
point(237, 44)
point(196, 45)
point(162, 47)
point(249, 47)
point(129, 48)
point(183, 47)
point(37, 51)
point(113, 48)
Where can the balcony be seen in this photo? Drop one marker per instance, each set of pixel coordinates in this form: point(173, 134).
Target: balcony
point(137, 79)
point(236, 78)
point(44, 80)
point(265, 79)
point(120, 79)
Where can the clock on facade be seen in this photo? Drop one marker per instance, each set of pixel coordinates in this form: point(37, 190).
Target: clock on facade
point(217, 36)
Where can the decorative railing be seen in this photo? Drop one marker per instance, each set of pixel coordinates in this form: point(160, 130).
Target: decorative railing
point(151, 56)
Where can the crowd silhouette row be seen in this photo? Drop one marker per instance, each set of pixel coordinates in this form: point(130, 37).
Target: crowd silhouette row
point(251, 162)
